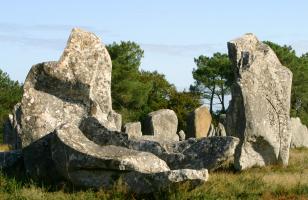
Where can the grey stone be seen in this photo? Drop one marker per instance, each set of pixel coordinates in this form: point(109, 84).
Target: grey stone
point(299, 133)
point(141, 183)
point(182, 135)
point(209, 153)
point(12, 128)
point(162, 124)
point(220, 130)
point(212, 131)
point(258, 113)
point(133, 129)
point(78, 159)
point(148, 183)
point(38, 161)
point(63, 92)
point(199, 122)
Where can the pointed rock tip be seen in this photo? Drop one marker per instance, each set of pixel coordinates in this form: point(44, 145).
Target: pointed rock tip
point(247, 37)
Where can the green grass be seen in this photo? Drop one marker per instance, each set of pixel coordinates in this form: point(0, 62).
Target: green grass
point(271, 182)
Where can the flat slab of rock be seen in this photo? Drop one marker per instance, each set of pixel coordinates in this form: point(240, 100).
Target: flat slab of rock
point(299, 133)
point(259, 111)
point(147, 183)
point(162, 124)
point(209, 153)
point(72, 153)
point(199, 122)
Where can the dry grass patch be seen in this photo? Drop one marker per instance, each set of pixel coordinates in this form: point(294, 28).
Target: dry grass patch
point(271, 182)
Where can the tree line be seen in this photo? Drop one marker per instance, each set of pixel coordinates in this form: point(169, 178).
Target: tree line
point(137, 92)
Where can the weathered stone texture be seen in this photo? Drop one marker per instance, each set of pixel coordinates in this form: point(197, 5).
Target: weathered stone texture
point(199, 122)
point(133, 129)
point(182, 135)
point(162, 124)
point(259, 110)
point(299, 133)
point(63, 92)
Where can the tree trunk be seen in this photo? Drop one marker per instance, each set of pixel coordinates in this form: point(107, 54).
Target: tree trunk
point(211, 100)
point(223, 99)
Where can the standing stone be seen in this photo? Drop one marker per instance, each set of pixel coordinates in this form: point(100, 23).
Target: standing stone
point(161, 124)
point(133, 130)
point(182, 135)
point(299, 133)
point(259, 110)
point(12, 128)
point(212, 131)
point(220, 130)
point(61, 92)
point(199, 122)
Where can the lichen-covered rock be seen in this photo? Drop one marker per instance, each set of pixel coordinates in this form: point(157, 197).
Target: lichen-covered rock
point(199, 122)
point(162, 124)
point(133, 129)
point(299, 133)
point(209, 153)
point(63, 92)
point(79, 159)
point(147, 183)
point(259, 111)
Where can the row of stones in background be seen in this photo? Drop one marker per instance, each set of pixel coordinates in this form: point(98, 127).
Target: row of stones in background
point(162, 125)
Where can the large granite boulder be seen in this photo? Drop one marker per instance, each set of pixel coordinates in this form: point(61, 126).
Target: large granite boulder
point(259, 110)
point(63, 92)
point(162, 124)
point(299, 133)
point(199, 122)
point(80, 160)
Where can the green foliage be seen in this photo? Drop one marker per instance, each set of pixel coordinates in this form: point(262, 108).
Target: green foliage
point(129, 94)
point(182, 103)
point(213, 77)
point(135, 93)
point(299, 68)
point(10, 94)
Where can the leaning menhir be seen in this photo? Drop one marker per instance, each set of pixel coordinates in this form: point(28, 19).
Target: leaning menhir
point(260, 105)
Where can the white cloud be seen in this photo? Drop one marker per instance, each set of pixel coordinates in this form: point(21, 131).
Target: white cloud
point(184, 50)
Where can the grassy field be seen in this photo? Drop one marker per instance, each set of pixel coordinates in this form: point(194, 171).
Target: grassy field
point(272, 182)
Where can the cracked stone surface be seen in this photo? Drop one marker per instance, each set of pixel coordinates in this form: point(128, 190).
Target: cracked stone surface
point(77, 85)
point(259, 110)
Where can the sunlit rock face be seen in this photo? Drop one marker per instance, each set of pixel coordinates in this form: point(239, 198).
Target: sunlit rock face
point(299, 133)
point(259, 110)
point(78, 85)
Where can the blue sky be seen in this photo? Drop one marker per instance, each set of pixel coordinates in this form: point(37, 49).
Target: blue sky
point(171, 32)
